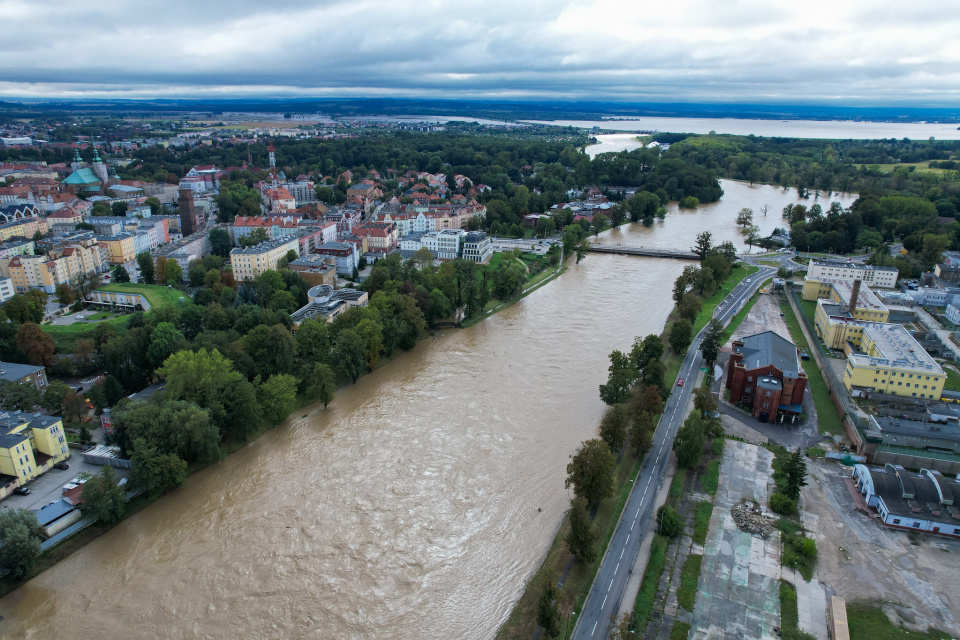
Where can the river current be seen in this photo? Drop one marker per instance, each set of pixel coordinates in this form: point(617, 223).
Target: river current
point(416, 505)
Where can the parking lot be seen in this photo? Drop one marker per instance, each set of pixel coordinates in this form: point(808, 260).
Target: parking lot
point(859, 559)
point(48, 487)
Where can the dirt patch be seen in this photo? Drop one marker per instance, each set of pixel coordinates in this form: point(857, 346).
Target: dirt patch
point(764, 316)
point(860, 560)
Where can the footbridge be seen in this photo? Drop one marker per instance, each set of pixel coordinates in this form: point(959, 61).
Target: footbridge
point(627, 250)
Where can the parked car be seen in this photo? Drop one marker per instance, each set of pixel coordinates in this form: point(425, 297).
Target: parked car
point(711, 414)
point(680, 382)
point(21, 491)
point(63, 466)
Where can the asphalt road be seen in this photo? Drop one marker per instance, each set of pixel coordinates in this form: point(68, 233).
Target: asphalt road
point(638, 518)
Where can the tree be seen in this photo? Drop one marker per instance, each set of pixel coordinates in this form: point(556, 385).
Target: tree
point(750, 235)
point(19, 541)
point(23, 308)
point(145, 262)
point(172, 426)
point(621, 378)
point(220, 243)
point(155, 205)
point(712, 341)
point(21, 397)
point(66, 294)
point(745, 217)
point(120, 274)
point(101, 209)
point(581, 540)
point(277, 395)
point(164, 342)
point(795, 469)
point(74, 407)
point(613, 427)
point(548, 614)
point(590, 471)
point(703, 245)
point(35, 344)
point(349, 352)
point(690, 441)
point(255, 237)
point(582, 249)
point(118, 208)
point(681, 335)
point(933, 248)
point(154, 472)
point(174, 273)
point(103, 499)
point(53, 396)
point(98, 398)
point(669, 523)
point(322, 383)
point(641, 432)
point(271, 348)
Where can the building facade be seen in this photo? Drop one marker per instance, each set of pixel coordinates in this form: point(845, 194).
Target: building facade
point(764, 374)
point(251, 262)
point(883, 277)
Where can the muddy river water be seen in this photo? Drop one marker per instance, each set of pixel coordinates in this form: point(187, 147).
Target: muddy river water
point(409, 507)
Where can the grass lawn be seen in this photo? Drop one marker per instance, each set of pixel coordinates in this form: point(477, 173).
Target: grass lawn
point(523, 618)
point(810, 308)
point(953, 380)
point(702, 522)
point(711, 303)
point(155, 294)
point(828, 418)
point(496, 259)
point(680, 630)
point(869, 622)
point(676, 487)
point(689, 576)
point(794, 542)
point(647, 595)
point(711, 478)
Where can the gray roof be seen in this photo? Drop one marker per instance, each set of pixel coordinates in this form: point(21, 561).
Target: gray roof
point(14, 371)
point(12, 439)
point(918, 429)
point(769, 348)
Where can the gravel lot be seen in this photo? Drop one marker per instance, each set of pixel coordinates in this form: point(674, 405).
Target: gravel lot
point(859, 559)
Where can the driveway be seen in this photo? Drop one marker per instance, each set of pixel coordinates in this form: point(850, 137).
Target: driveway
point(49, 487)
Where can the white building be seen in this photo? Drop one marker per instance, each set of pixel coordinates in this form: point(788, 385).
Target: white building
point(6, 289)
point(446, 244)
point(929, 297)
point(477, 247)
point(874, 276)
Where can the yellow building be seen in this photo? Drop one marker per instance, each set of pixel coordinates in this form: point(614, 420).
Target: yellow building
point(887, 359)
point(60, 266)
point(23, 228)
point(30, 445)
point(120, 248)
point(867, 307)
point(251, 262)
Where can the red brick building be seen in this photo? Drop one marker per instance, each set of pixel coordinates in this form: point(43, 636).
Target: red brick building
point(764, 373)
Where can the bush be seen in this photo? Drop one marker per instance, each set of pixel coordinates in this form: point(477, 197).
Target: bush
point(717, 446)
point(783, 504)
point(808, 547)
point(668, 521)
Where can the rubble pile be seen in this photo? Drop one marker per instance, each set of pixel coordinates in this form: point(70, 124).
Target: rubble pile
point(750, 518)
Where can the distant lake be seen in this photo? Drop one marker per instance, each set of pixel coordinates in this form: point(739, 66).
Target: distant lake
point(828, 129)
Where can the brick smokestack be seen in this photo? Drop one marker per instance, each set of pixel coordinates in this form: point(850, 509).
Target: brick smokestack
point(188, 215)
point(854, 296)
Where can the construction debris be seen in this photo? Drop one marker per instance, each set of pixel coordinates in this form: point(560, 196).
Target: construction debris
point(751, 519)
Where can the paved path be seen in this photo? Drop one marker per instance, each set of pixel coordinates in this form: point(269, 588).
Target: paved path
point(607, 592)
point(811, 603)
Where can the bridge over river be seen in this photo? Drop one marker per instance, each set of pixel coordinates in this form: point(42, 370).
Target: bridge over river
point(643, 251)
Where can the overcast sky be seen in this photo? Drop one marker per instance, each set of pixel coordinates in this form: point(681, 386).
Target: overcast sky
point(759, 51)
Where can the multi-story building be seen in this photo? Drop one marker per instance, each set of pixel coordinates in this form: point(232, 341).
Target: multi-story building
point(327, 303)
point(64, 221)
point(62, 264)
point(202, 179)
point(193, 247)
point(6, 289)
point(22, 228)
point(30, 444)
point(382, 236)
point(251, 262)
point(446, 244)
point(316, 269)
point(860, 302)
point(764, 373)
point(275, 226)
point(121, 248)
point(884, 277)
point(17, 247)
point(477, 247)
point(24, 374)
point(885, 358)
point(345, 253)
point(303, 192)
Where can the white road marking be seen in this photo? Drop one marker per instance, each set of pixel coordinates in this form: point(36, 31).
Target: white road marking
point(594, 629)
point(621, 553)
point(615, 569)
point(608, 588)
point(604, 602)
point(627, 540)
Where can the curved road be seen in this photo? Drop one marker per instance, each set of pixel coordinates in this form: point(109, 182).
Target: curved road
point(637, 519)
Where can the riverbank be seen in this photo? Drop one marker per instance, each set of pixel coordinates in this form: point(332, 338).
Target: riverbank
point(521, 622)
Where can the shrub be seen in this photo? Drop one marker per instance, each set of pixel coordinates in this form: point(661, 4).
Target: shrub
point(717, 446)
point(668, 521)
point(783, 504)
point(808, 547)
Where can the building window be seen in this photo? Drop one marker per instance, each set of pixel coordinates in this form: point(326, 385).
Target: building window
point(896, 521)
point(916, 525)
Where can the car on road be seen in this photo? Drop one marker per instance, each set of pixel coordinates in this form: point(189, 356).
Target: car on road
point(747, 281)
point(63, 466)
point(680, 382)
point(21, 491)
point(711, 414)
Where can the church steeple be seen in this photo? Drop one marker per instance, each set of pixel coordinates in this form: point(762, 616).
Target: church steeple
point(99, 168)
point(77, 160)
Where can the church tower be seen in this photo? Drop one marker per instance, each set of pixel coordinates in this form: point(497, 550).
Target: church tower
point(100, 168)
point(78, 162)
point(273, 164)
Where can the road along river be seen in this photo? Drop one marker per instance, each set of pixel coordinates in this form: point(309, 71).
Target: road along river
point(409, 507)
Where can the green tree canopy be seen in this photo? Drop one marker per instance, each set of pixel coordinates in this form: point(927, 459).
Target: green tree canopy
point(590, 471)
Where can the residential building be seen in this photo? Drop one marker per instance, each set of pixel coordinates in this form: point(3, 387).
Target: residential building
point(316, 269)
point(280, 200)
point(874, 276)
point(303, 192)
point(22, 228)
point(275, 227)
point(193, 247)
point(859, 301)
point(121, 248)
point(64, 221)
point(885, 358)
point(6, 289)
point(327, 303)
point(251, 262)
point(346, 255)
point(201, 179)
point(446, 244)
point(764, 373)
point(477, 247)
point(30, 444)
point(61, 265)
point(17, 247)
point(926, 501)
point(382, 236)
point(24, 374)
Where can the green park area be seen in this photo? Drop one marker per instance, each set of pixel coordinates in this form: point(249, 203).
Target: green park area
point(156, 295)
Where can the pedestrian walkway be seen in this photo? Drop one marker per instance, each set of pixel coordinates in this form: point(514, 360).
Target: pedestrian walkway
point(811, 603)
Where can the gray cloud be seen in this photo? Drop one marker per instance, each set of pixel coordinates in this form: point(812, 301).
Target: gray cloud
point(739, 50)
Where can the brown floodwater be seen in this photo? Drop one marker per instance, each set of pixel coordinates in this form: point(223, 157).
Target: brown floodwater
point(406, 509)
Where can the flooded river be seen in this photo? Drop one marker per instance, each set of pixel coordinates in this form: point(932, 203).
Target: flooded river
point(409, 507)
